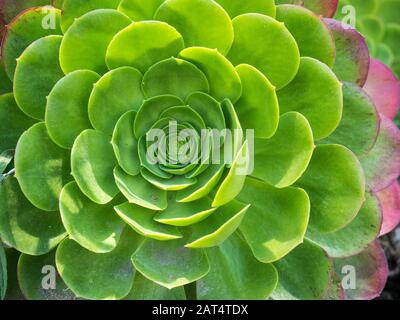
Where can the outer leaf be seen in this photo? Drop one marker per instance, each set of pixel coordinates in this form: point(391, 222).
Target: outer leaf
point(389, 199)
point(169, 263)
point(277, 220)
point(92, 164)
point(95, 227)
point(238, 7)
point(335, 183)
point(66, 113)
point(217, 33)
point(235, 274)
point(266, 44)
point(139, 10)
point(98, 276)
point(85, 43)
point(16, 227)
point(41, 183)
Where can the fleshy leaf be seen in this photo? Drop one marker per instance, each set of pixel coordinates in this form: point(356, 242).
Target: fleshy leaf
point(125, 144)
point(185, 214)
point(317, 94)
point(216, 33)
point(42, 182)
point(335, 184)
point(266, 44)
point(362, 231)
point(139, 10)
point(96, 276)
point(258, 107)
point(174, 76)
point(308, 29)
point(142, 221)
point(73, 9)
point(34, 272)
point(389, 200)
point(66, 113)
point(371, 271)
point(17, 122)
point(117, 92)
point(27, 27)
point(218, 227)
point(175, 183)
point(85, 43)
point(383, 88)
point(235, 274)
point(139, 191)
point(144, 289)
point(359, 126)
point(352, 55)
point(16, 227)
point(95, 227)
point(276, 221)
point(281, 160)
point(37, 72)
point(169, 263)
point(304, 274)
point(92, 164)
point(131, 46)
point(221, 74)
point(382, 163)
point(238, 7)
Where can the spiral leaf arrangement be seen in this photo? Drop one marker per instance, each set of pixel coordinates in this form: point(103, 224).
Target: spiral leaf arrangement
point(309, 184)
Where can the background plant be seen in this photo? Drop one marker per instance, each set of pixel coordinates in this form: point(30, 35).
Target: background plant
point(326, 161)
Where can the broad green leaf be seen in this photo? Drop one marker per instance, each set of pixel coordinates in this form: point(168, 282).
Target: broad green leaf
point(235, 274)
point(304, 274)
point(174, 76)
point(66, 113)
point(185, 214)
point(144, 289)
point(73, 9)
point(95, 227)
point(221, 74)
point(238, 7)
point(208, 108)
point(185, 114)
point(90, 275)
point(175, 183)
point(117, 92)
point(266, 44)
point(139, 10)
point(131, 46)
point(234, 181)
point(150, 111)
point(276, 221)
point(335, 183)
point(125, 144)
point(37, 71)
point(42, 182)
point(281, 160)
point(30, 25)
point(258, 107)
point(317, 94)
point(217, 32)
point(85, 43)
point(35, 275)
point(142, 221)
point(362, 231)
point(234, 140)
point(359, 126)
point(308, 29)
point(3, 272)
point(92, 164)
point(14, 121)
point(6, 84)
point(24, 227)
point(139, 191)
point(169, 263)
point(205, 184)
point(218, 227)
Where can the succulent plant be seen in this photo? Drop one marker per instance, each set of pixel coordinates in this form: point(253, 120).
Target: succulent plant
point(307, 187)
point(378, 21)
